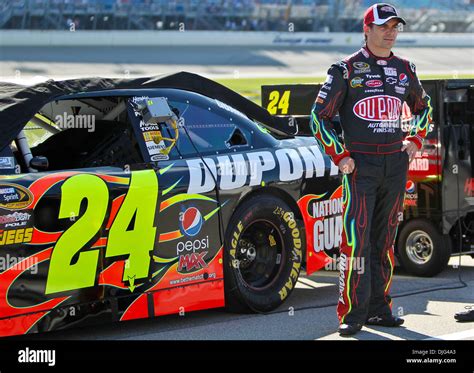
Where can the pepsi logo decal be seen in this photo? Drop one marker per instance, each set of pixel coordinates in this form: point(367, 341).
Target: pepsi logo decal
point(378, 108)
point(374, 83)
point(403, 78)
point(410, 187)
point(190, 222)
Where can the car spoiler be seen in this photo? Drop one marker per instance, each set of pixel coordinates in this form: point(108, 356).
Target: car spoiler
point(293, 102)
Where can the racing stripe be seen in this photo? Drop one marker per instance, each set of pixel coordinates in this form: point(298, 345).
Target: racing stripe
point(327, 140)
point(420, 129)
point(388, 251)
point(348, 241)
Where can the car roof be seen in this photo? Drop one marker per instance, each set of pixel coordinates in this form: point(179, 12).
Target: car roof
point(18, 104)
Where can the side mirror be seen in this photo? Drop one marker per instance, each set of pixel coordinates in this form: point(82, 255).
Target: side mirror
point(39, 163)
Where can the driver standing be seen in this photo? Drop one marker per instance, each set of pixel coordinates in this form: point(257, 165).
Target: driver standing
point(368, 89)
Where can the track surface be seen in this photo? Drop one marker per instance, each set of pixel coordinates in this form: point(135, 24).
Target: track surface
point(221, 62)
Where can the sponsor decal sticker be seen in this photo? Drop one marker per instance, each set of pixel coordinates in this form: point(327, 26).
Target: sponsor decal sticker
point(328, 223)
point(381, 62)
point(391, 80)
point(15, 236)
point(148, 136)
point(159, 157)
point(411, 196)
point(289, 163)
point(374, 83)
point(14, 197)
point(390, 71)
point(191, 255)
point(410, 186)
point(361, 65)
point(403, 78)
point(17, 219)
point(224, 106)
point(420, 163)
point(375, 90)
point(7, 163)
point(356, 82)
point(190, 222)
point(378, 108)
point(400, 90)
point(192, 252)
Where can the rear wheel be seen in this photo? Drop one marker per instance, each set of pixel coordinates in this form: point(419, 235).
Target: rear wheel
point(263, 255)
point(422, 250)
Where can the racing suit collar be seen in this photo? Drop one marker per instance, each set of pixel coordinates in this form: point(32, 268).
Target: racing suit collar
point(373, 57)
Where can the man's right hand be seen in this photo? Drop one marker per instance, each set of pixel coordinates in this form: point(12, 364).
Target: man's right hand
point(346, 165)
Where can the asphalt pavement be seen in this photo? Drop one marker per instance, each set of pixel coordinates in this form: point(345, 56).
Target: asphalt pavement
point(310, 314)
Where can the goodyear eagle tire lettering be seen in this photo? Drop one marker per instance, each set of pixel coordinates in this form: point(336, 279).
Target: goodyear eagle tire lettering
point(263, 255)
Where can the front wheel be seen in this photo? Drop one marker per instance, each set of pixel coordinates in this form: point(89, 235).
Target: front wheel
point(263, 255)
point(422, 250)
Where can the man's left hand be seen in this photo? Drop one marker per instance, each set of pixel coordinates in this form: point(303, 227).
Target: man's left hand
point(411, 148)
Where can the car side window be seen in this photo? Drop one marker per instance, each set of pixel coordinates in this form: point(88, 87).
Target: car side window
point(210, 129)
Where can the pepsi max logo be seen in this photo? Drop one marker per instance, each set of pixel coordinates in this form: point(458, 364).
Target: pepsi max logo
point(374, 83)
point(410, 187)
point(190, 222)
point(403, 78)
point(378, 108)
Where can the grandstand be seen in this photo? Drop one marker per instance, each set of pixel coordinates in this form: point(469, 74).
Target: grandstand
point(242, 15)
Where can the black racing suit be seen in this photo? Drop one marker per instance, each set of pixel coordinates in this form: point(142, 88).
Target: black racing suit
point(368, 92)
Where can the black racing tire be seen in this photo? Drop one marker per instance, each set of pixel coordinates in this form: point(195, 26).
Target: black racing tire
point(262, 256)
point(422, 250)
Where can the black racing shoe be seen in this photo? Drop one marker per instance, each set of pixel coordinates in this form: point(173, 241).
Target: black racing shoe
point(465, 315)
point(349, 329)
point(389, 320)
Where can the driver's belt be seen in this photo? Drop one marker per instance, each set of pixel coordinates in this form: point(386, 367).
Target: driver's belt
point(367, 148)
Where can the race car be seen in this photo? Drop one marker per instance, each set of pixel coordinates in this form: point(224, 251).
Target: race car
point(126, 199)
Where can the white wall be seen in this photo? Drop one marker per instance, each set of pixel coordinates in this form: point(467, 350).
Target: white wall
point(216, 38)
